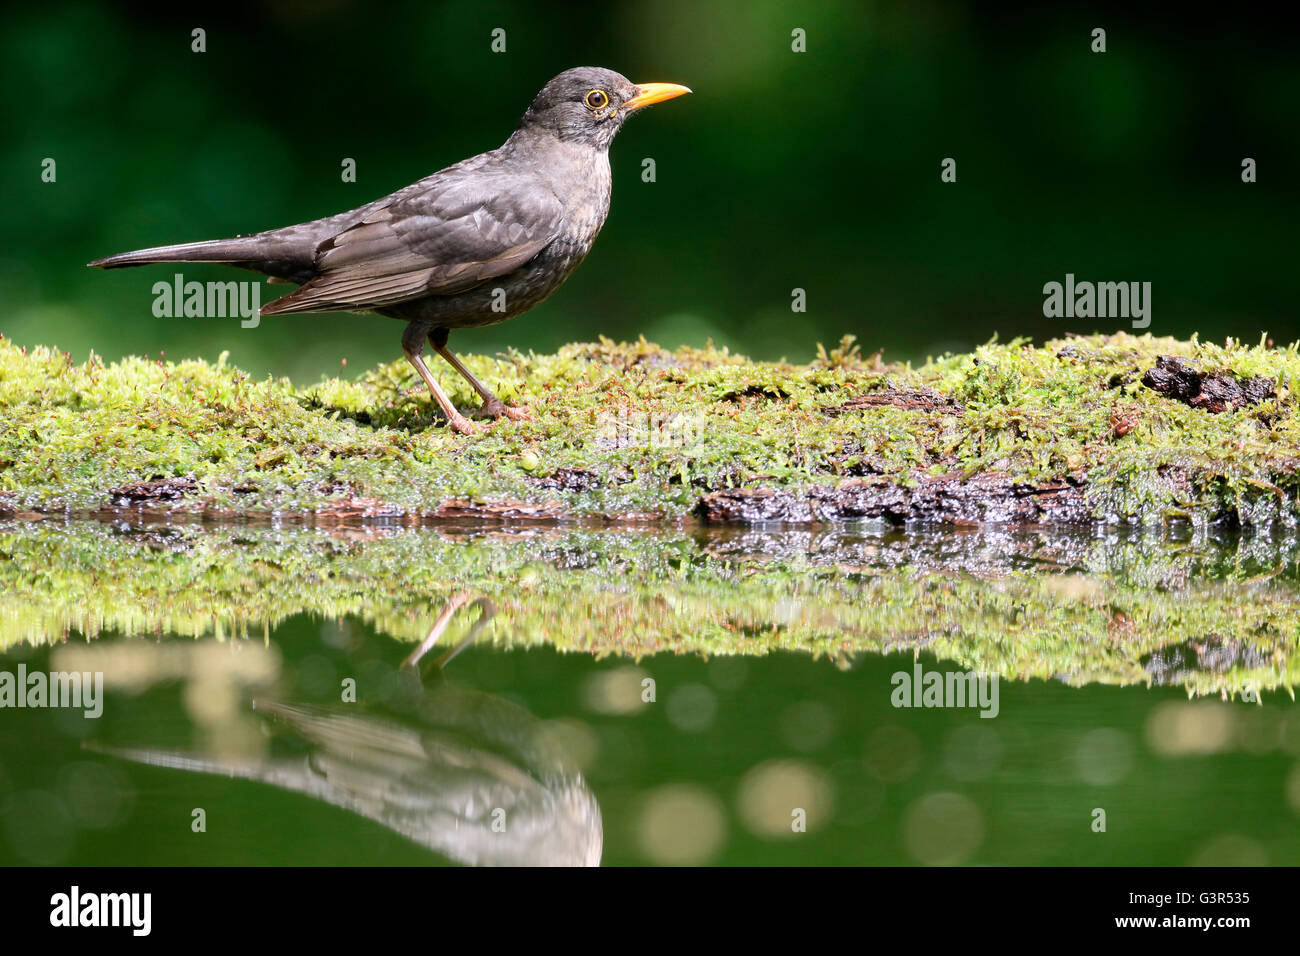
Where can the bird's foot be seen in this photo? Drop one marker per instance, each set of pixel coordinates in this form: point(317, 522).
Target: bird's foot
point(495, 408)
point(463, 426)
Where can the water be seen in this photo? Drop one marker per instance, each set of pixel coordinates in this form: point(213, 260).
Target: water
point(541, 695)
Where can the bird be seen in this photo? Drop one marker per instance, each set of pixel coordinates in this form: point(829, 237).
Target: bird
point(474, 244)
point(468, 774)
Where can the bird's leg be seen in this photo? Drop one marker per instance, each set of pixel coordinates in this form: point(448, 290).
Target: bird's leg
point(413, 346)
point(487, 610)
point(461, 599)
point(493, 407)
point(454, 604)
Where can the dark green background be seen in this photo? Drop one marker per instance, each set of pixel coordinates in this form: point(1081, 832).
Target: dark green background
point(817, 170)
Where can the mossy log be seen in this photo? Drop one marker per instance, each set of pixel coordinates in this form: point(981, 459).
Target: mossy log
point(1082, 431)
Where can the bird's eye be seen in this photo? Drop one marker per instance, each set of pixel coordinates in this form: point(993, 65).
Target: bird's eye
point(597, 99)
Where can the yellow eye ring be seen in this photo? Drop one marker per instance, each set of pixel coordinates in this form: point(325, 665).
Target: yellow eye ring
point(596, 100)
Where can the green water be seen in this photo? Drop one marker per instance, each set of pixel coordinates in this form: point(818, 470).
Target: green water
point(566, 696)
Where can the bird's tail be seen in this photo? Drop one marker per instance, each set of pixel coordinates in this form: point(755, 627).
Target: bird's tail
point(247, 249)
point(290, 773)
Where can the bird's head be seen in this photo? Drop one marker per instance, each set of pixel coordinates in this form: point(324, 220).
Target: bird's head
point(588, 104)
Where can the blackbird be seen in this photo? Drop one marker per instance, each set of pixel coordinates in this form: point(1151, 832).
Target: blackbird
point(474, 244)
point(440, 764)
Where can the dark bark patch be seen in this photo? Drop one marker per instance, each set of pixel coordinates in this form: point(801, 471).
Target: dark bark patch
point(570, 479)
point(1176, 379)
point(156, 489)
point(987, 498)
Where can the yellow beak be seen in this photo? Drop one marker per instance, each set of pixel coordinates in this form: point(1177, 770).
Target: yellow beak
point(648, 93)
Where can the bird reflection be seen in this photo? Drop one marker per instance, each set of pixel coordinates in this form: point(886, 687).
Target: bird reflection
point(468, 774)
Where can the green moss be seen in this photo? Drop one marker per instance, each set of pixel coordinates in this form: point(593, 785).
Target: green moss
point(1209, 615)
point(659, 428)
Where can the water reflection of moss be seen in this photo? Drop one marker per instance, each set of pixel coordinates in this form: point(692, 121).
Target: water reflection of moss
point(1212, 616)
point(632, 429)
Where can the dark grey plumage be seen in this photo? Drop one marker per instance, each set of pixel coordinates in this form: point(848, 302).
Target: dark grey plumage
point(474, 244)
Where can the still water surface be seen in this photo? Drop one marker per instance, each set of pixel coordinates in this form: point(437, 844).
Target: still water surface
point(493, 696)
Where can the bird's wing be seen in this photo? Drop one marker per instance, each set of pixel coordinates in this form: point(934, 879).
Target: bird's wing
point(454, 235)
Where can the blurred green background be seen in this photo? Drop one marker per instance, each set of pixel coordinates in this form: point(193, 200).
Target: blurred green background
point(706, 775)
point(816, 170)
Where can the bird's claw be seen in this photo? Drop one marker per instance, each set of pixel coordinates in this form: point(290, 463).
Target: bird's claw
point(519, 413)
point(496, 409)
point(463, 426)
